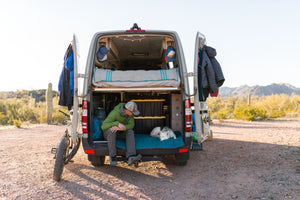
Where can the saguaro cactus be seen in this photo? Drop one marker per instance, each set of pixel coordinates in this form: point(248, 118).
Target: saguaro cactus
point(49, 103)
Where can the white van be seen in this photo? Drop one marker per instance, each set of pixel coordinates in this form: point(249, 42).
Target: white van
point(147, 67)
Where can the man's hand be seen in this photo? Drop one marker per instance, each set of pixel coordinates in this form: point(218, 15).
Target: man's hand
point(121, 127)
point(114, 129)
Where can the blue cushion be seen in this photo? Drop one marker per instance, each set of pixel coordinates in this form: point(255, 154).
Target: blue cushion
point(143, 141)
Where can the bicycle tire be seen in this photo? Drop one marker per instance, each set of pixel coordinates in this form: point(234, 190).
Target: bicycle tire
point(60, 159)
point(74, 148)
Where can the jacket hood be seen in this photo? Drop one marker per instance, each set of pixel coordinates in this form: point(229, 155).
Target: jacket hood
point(211, 52)
point(117, 107)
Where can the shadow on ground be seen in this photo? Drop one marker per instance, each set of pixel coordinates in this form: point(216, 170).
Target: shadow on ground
point(225, 169)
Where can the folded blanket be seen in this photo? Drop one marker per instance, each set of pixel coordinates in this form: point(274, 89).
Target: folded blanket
point(136, 78)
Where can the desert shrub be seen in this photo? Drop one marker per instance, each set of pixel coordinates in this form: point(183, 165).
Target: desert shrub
point(17, 123)
point(3, 107)
point(28, 114)
point(260, 113)
point(221, 108)
point(13, 109)
point(43, 119)
point(224, 113)
point(294, 104)
point(250, 113)
point(279, 105)
point(292, 115)
point(253, 108)
point(244, 112)
point(215, 104)
point(3, 119)
point(26, 109)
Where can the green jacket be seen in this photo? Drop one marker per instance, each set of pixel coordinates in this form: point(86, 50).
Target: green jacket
point(115, 117)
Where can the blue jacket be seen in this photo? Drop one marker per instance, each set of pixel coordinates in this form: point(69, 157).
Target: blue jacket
point(66, 80)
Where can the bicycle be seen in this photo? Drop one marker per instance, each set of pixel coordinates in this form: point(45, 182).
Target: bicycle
point(66, 149)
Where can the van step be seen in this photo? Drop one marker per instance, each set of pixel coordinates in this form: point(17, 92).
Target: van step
point(151, 158)
point(143, 159)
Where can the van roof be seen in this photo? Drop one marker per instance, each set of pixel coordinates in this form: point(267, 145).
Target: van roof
point(117, 32)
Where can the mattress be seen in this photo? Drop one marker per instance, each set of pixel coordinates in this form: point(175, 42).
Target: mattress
point(136, 78)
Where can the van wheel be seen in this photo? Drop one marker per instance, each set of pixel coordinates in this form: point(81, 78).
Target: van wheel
point(181, 159)
point(96, 160)
point(181, 163)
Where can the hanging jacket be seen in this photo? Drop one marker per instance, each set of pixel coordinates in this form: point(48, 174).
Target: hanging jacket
point(212, 75)
point(211, 52)
point(66, 81)
point(208, 74)
point(202, 92)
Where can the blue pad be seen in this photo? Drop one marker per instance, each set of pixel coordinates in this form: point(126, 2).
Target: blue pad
point(143, 141)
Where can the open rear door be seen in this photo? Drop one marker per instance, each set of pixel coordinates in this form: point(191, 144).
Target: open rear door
point(75, 120)
point(202, 129)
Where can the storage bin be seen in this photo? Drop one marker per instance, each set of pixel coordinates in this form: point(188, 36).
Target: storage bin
point(144, 125)
point(150, 107)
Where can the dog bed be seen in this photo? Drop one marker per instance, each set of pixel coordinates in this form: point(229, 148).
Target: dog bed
point(143, 141)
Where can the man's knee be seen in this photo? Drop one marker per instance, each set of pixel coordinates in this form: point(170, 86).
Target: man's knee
point(108, 133)
point(130, 132)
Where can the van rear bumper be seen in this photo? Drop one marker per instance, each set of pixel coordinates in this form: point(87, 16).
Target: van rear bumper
point(101, 149)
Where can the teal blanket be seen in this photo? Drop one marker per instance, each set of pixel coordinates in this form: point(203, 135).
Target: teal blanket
point(143, 141)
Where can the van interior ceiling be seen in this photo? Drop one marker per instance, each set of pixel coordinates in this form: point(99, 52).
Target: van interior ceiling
point(135, 52)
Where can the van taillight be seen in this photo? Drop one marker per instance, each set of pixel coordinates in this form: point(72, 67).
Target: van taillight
point(188, 116)
point(183, 150)
point(84, 117)
point(89, 151)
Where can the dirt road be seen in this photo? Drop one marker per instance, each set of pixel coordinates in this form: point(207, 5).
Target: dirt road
point(258, 160)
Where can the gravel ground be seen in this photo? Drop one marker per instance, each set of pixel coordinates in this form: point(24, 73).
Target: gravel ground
point(245, 160)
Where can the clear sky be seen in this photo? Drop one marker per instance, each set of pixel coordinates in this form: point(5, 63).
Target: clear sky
point(257, 41)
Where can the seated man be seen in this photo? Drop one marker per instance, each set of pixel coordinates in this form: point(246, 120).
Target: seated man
point(120, 123)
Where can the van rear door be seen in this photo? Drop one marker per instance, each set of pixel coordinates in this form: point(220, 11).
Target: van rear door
point(201, 111)
point(75, 120)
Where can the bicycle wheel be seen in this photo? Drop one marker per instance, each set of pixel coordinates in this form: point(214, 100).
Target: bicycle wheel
point(60, 158)
point(72, 149)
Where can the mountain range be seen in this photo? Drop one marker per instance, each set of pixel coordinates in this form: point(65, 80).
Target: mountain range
point(245, 90)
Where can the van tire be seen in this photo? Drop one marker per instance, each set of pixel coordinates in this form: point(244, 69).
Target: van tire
point(60, 159)
point(182, 158)
point(181, 163)
point(96, 160)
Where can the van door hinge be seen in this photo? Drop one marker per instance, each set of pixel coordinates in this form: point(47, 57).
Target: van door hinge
point(81, 76)
point(189, 74)
point(83, 135)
